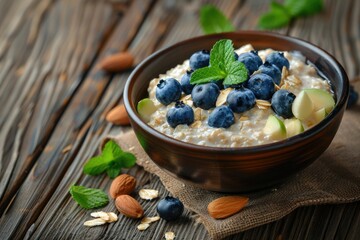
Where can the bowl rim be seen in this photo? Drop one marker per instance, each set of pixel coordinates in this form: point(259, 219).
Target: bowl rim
point(342, 98)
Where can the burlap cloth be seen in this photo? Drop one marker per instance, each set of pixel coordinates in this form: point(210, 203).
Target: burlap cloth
point(333, 178)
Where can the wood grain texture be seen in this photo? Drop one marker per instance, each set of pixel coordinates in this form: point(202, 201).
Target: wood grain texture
point(54, 97)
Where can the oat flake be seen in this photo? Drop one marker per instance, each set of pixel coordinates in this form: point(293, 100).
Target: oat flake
point(169, 235)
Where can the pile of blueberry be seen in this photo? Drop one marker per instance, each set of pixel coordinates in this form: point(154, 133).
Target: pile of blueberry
point(260, 85)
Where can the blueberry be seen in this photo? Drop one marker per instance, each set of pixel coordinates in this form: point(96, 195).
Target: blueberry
point(236, 56)
point(353, 97)
point(168, 91)
point(251, 60)
point(180, 114)
point(221, 117)
point(261, 85)
point(278, 59)
point(185, 82)
point(271, 70)
point(170, 208)
point(199, 59)
point(219, 83)
point(281, 103)
point(240, 100)
point(205, 95)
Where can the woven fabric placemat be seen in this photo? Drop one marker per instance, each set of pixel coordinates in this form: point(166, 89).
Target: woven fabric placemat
point(333, 178)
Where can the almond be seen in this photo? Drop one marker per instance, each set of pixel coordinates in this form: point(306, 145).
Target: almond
point(226, 206)
point(118, 116)
point(123, 184)
point(117, 62)
point(128, 206)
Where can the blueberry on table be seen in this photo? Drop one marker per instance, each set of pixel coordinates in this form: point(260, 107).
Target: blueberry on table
point(251, 60)
point(278, 59)
point(240, 100)
point(205, 95)
point(199, 59)
point(180, 114)
point(168, 91)
point(221, 117)
point(281, 103)
point(271, 70)
point(261, 85)
point(353, 97)
point(185, 82)
point(170, 208)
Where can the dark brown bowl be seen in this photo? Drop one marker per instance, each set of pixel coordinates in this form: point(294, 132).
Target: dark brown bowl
point(235, 169)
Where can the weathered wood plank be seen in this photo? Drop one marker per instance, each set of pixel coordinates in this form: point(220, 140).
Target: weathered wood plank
point(50, 212)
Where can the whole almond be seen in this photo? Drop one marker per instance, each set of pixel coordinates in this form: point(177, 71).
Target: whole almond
point(226, 206)
point(128, 206)
point(123, 184)
point(117, 62)
point(118, 116)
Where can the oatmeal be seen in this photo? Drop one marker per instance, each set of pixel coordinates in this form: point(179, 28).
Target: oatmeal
point(245, 126)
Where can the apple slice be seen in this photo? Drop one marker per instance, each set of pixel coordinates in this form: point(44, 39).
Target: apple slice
point(145, 108)
point(321, 99)
point(275, 128)
point(302, 107)
point(319, 115)
point(293, 127)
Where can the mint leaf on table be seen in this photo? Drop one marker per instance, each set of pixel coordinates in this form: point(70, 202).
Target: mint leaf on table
point(276, 18)
point(96, 165)
point(222, 66)
point(212, 20)
point(281, 14)
point(112, 160)
point(89, 197)
point(303, 7)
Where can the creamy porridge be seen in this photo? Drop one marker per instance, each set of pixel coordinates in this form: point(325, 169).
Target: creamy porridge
point(248, 127)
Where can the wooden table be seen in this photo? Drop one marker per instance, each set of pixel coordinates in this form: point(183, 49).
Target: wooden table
point(54, 99)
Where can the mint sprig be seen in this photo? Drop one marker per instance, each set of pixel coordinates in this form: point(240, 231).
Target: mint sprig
point(222, 66)
point(112, 160)
point(89, 197)
point(281, 14)
point(212, 20)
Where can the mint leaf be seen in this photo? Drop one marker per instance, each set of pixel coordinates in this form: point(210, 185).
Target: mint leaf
point(303, 7)
point(111, 150)
point(112, 159)
point(222, 54)
point(127, 160)
point(113, 171)
point(88, 197)
point(222, 66)
point(212, 20)
point(206, 74)
point(96, 166)
point(276, 18)
point(237, 73)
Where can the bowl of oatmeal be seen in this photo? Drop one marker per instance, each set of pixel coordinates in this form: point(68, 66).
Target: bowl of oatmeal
point(239, 120)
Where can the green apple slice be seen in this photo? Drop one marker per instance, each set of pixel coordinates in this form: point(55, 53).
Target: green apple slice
point(145, 108)
point(293, 127)
point(275, 128)
point(302, 107)
point(321, 99)
point(319, 115)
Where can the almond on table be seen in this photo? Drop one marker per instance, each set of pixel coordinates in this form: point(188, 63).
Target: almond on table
point(224, 207)
point(118, 116)
point(117, 62)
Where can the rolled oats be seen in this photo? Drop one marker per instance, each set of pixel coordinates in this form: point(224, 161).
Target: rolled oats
point(148, 194)
point(169, 235)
